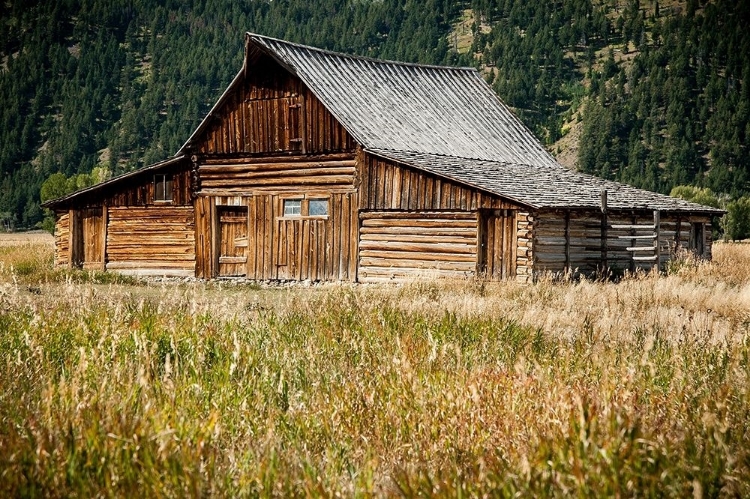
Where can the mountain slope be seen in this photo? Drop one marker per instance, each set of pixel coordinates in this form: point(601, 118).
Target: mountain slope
point(656, 91)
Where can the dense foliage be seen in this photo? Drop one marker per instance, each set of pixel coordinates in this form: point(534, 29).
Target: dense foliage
point(118, 84)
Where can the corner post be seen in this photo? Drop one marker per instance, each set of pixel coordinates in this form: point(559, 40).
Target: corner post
point(604, 235)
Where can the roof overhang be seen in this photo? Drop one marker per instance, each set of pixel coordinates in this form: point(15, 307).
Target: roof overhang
point(113, 182)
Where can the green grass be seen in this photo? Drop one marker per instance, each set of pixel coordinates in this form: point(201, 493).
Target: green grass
point(213, 390)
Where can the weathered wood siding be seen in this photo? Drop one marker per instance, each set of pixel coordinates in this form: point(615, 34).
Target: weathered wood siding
point(572, 240)
point(140, 191)
point(316, 248)
point(444, 213)
point(498, 244)
point(387, 185)
point(62, 239)
point(398, 245)
point(273, 112)
point(87, 228)
point(525, 246)
point(154, 240)
point(297, 174)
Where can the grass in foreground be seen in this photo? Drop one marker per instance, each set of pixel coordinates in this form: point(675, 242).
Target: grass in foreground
point(592, 389)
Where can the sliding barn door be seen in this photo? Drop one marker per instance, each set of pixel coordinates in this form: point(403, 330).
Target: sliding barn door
point(497, 255)
point(232, 240)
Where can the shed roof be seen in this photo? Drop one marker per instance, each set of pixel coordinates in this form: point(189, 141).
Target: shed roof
point(113, 181)
point(540, 187)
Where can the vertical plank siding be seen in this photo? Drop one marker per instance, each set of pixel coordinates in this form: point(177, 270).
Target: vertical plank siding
point(140, 191)
point(387, 185)
point(91, 241)
point(151, 240)
point(398, 245)
point(315, 248)
point(273, 112)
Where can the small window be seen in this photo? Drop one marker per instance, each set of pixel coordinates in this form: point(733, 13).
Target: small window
point(318, 207)
point(292, 207)
point(162, 187)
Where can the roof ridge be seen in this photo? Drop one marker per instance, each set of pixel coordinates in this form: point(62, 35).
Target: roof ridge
point(364, 58)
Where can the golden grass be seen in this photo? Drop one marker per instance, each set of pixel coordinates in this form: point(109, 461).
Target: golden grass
point(588, 388)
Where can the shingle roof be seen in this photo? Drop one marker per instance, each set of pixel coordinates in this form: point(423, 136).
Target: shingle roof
point(448, 121)
point(538, 186)
point(410, 107)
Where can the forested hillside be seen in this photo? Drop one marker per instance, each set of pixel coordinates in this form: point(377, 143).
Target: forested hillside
point(656, 90)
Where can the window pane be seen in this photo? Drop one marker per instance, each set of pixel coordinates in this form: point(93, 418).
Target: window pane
point(168, 189)
point(318, 207)
point(292, 207)
point(162, 187)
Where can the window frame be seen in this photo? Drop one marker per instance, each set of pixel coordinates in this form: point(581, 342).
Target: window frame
point(166, 181)
point(318, 198)
point(284, 202)
point(304, 200)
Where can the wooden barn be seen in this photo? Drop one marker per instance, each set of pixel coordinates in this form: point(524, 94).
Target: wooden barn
point(321, 166)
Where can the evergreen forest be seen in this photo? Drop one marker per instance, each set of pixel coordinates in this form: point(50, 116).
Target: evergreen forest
point(652, 93)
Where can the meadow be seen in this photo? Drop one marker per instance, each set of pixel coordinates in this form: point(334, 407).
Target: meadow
point(111, 386)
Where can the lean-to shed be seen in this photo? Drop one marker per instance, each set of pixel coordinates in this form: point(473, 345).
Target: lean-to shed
point(324, 166)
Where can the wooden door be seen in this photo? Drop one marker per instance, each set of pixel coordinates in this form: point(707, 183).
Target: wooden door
point(232, 240)
point(498, 244)
point(87, 238)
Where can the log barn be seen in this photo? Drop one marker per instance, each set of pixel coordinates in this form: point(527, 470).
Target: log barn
point(321, 166)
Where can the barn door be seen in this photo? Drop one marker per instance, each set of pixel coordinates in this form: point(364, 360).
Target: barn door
point(87, 238)
point(232, 240)
point(497, 240)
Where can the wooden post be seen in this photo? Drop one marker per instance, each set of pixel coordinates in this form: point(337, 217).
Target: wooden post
point(567, 241)
point(657, 235)
point(605, 265)
point(105, 217)
point(72, 240)
point(633, 242)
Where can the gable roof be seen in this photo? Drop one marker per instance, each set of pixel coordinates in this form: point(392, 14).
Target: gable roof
point(446, 121)
point(408, 107)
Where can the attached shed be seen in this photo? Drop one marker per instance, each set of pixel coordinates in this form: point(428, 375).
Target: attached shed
point(321, 166)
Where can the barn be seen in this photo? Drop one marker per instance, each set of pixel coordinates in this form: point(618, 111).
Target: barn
point(321, 166)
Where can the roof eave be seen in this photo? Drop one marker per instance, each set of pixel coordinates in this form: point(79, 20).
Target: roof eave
point(113, 181)
point(471, 185)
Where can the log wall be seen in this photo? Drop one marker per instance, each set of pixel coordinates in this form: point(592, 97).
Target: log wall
point(297, 174)
point(62, 239)
point(272, 112)
point(154, 240)
point(525, 246)
point(398, 245)
point(572, 240)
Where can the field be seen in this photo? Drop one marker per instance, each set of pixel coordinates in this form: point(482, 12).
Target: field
point(112, 386)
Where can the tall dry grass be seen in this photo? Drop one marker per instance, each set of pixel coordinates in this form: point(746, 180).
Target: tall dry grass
point(638, 388)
